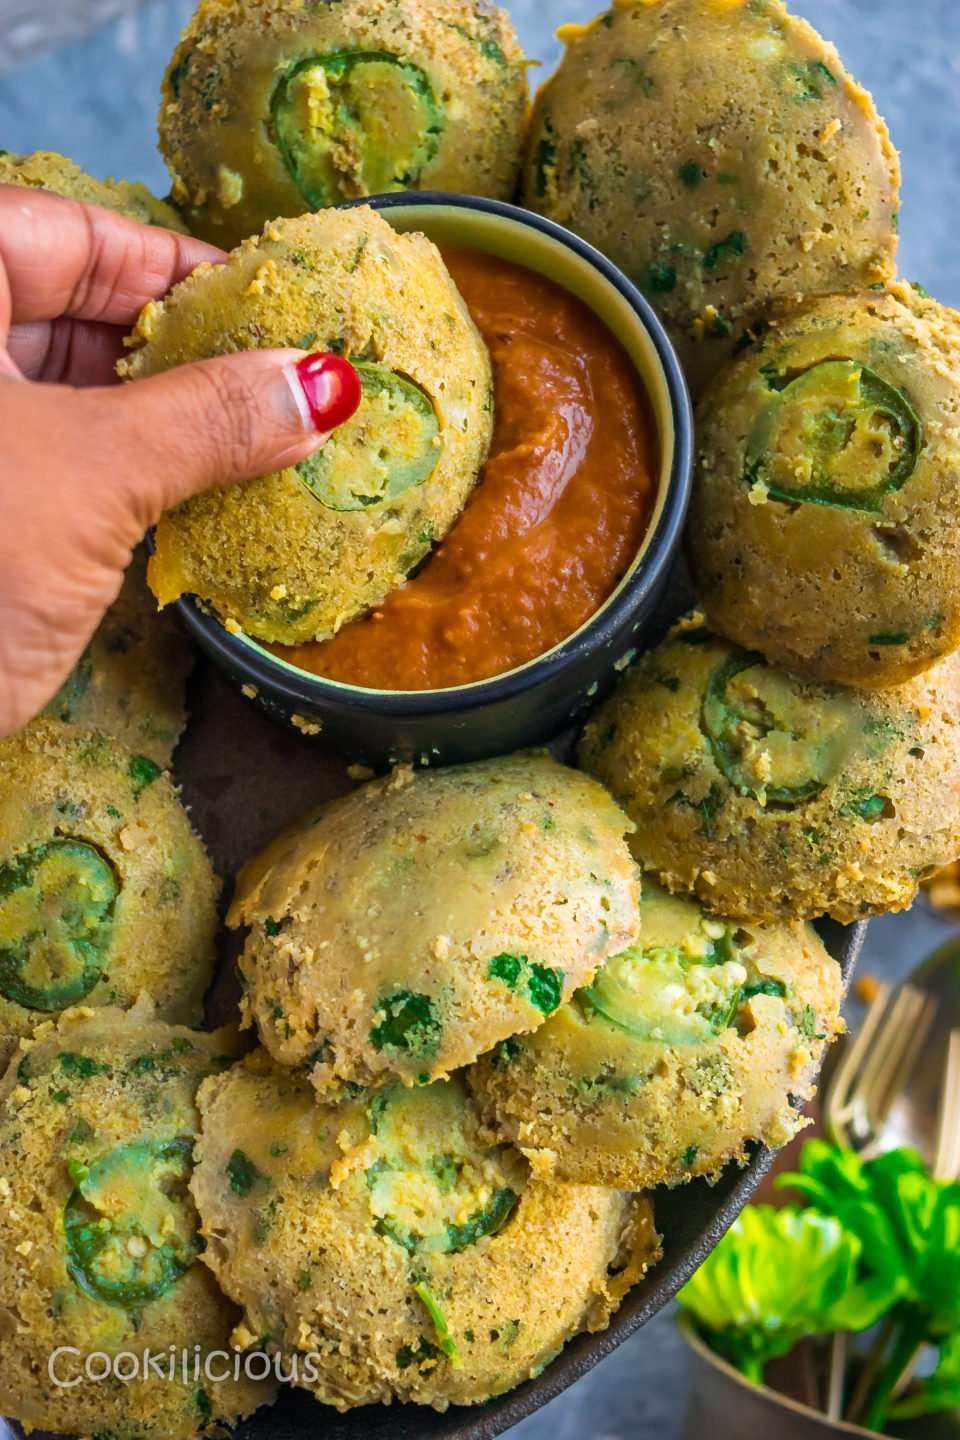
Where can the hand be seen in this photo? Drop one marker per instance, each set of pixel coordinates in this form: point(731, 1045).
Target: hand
point(87, 465)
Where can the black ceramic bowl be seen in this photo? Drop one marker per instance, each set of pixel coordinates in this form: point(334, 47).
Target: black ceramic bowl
point(534, 702)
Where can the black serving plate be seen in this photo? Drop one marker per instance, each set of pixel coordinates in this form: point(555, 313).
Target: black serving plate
point(691, 1220)
point(244, 778)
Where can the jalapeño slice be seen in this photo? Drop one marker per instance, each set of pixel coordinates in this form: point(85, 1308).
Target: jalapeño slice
point(56, 908)
point(353, 123)
point(130, 1224)
point(390, 445)
point(835, 434)
point(770, 736)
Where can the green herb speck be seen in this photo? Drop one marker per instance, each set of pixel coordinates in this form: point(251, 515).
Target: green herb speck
point(507, 968)
point(243, 1174)
point(142, 772)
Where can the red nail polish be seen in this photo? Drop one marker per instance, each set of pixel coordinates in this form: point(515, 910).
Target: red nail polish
point(332, 389)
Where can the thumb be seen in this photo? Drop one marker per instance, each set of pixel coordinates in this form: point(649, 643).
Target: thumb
point(221, 420)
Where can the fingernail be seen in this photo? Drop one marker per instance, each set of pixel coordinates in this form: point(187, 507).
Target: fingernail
point(327, 391)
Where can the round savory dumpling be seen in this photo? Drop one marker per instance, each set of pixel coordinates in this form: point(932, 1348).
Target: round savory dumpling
point(276, 111)
point(105, 891)
point(390, 1250)
point(685, 1048)
point(720, 153)
point(99, 1236)
point(823, 531)
point(776, 798)
point(45, 170)
point(131, 680)
point(290, 557)
point(407, 927)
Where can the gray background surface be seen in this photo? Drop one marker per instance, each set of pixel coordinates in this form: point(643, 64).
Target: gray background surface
point(95, 98)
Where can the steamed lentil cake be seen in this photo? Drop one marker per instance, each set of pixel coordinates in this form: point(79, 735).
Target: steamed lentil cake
point(407, 927)
point(45, 170)
point(99, 1240)
point(721, 154)
point(274, 111)
point(776, 798)
point(131, 680)
point(105, 891)
point(684, 1048)
point(388, 1241)
point(823, 529)
point(292, 556)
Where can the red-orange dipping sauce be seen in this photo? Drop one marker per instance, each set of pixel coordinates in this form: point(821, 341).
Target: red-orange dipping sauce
point(561, 509)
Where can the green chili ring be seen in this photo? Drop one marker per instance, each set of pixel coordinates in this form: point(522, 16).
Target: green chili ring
point(634, 1011)
point(451, 1239)
point(392, 444)
point(720, 719)
point(436, 1177)
point(56, 909)
point(831, 429)
point(100, 1245)
point(368, 91)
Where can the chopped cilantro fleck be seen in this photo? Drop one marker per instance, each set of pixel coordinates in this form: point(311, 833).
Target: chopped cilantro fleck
point(243, 1174)
point(81, 1067)
point(809, 1024)
point(142, 772)
point(507, 968)
point(408, 1023)
point(663, 278)
point(545, 988)
point(422, 1354)
point(865, 807)
point(691, 172)
point(730, 248)
point(765, 986)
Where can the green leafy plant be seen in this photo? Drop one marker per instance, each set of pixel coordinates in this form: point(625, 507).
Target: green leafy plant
point(941, 1392)
point(876, 1248)
point(776, 1278)
point(908, 1226)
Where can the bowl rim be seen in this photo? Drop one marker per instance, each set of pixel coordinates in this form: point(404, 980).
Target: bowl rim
point(661, 544)
point(771, 1397)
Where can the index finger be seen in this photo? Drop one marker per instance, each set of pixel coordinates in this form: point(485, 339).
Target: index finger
point(65, 258)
